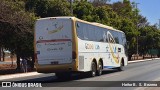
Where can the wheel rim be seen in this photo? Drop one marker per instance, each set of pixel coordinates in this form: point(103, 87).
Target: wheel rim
point(121, 66)
point(100, 69)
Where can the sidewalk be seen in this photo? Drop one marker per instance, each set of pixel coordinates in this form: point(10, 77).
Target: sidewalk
point(20, 75)
point(134, 61)
point(7, 62)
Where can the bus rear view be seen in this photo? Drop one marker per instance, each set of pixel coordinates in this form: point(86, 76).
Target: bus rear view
point(66, 45)
point(53, 45)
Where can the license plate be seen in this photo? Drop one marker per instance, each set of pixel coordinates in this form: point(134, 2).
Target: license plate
point(55, 62)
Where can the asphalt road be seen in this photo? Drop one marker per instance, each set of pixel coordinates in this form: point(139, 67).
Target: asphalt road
point(140, 71)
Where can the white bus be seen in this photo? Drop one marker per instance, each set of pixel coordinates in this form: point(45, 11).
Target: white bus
point(64, 45)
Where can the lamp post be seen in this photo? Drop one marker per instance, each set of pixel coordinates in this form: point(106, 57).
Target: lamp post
point(136, 6)
point(159, 23)
point(71, 9)
point(137, 29)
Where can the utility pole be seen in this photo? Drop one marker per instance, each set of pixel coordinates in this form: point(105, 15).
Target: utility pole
point(71, 9)
point(0, 53)
point(136, 4)
point(159, 23)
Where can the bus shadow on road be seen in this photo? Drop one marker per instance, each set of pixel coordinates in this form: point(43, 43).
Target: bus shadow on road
point(74, 77)
point(86, 75)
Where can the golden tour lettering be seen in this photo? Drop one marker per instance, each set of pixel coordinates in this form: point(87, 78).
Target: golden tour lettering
point(89, 46)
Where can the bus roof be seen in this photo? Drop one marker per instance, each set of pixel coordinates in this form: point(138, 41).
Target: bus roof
point(99, 25)
point(66, 17)
point(76, 19)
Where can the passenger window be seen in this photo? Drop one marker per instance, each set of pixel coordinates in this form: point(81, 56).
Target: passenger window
point(79, 27)
point(85, 32)
point(91, 33)
point(99, 34)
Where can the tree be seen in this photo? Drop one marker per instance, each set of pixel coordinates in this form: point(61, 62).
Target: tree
point(83, 10)
point(128, 24)
point(100, 2)
point(48, 8)
point(16, 32)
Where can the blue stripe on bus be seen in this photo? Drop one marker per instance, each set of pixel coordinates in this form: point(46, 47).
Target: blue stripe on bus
point(108, 67)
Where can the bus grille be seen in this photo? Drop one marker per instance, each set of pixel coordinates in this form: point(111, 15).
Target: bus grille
point(81, 62)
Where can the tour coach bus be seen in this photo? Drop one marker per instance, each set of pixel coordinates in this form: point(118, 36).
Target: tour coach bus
point(64, 45)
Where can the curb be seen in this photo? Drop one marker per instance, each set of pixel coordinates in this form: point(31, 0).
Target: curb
point(12, 76)
point(142, 60)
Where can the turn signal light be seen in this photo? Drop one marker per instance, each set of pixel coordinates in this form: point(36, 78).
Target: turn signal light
point(73, 55)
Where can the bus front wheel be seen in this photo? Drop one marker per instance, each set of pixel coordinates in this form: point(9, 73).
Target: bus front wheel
point(121, 68)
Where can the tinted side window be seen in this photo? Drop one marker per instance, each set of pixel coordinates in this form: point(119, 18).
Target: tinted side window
point(115, 35)
point(91, 32)
point(105, 38)
point(85, 31)
point(79, 28)
point(98, 34)
point(124, 39)
point(120, 38)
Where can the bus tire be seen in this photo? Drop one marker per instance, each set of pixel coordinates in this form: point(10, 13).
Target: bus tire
point(121, 68)
point(99, 71)
point(93, 69)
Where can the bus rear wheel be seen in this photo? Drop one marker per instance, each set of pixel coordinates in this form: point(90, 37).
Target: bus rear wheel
point(99, 71)
point(121, 68)
point(93, 69)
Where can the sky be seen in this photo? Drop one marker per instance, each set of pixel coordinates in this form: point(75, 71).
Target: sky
point(149, 9)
